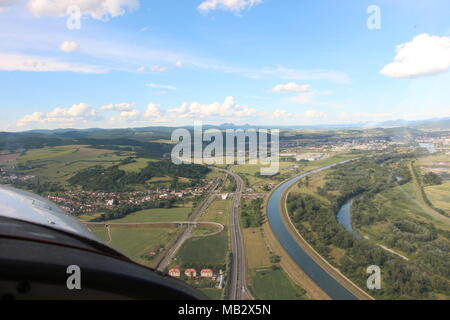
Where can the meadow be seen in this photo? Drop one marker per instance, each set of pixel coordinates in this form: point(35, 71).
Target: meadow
point(138, 243)
point(203, 252)
point(275, 285)
point(157, 215)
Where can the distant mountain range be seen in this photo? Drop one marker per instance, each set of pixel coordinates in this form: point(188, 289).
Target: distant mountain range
point(436, 123)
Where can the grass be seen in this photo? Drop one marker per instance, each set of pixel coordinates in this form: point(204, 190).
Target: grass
point(137, 166)
point(136, 242)
point(100, 232)
point(440, 195)
point(256, 251)
point(213, 294)
point(218, 211)
point(205, 230)
point(275, 285)
point(156, 215)
point(58, 164)
point(210, 251)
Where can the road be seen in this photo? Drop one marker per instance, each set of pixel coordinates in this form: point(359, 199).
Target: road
point(237, 286)
point(186, 233)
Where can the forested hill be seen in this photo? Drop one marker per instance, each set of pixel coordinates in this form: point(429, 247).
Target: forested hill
point(119, 139)
point(99, 178)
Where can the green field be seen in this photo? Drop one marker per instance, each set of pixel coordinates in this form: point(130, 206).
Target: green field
point(275, 285)
point(213, 294)
point(137, 166)
point(156, 215)
point(210, 251)
point(218, 211)
point(440, 195)
point(101, 233)
point(136, 242)
point(57, 164)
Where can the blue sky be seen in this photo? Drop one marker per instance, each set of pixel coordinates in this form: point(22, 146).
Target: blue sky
point(142, 63)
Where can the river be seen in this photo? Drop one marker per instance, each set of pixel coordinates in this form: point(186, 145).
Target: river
point(344, 218)
point(322, 278)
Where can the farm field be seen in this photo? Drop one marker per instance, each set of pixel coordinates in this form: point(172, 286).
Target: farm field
point(137, 166)
point(275, 285)
point(138, 243)
point(58, 164)
point(156, 215)
point(100, 232)
point(8, 158)
point(257, 254)
point(257, 182)
point(399, 203)
point(440, 195)
point(210, 251)
point(218, 211)
point(213, 294)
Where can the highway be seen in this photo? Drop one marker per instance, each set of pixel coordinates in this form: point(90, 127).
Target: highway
point(237, 285)
point(186, 233)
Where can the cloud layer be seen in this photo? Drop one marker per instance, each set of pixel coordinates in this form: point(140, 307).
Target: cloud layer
point(74, 115)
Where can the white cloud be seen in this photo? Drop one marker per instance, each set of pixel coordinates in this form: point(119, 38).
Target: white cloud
point(140, 69)
point(68, 46)
point(179, 64)
point(21, 62)
point(36, 117)
point(228, 109)
point(158, 68)
point(128, 115)
point(229, 5)
point(97, 9)
point(425, 55)
point(118, 107)
point(152, 111)
point(160, 86)
point(81, 112)
point(291, 87)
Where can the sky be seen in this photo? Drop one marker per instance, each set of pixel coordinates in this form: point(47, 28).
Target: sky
point(136, 63)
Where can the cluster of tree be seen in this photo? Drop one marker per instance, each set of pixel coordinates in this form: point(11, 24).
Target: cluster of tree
point(37, 186)
point(116, 140)
point(128, 208)
point(251, 214)
point(414, 231)
point(431, 179)
point(113, 179)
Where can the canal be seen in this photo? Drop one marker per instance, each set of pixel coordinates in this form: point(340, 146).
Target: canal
point(317, 274)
